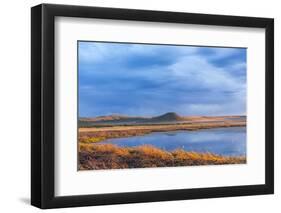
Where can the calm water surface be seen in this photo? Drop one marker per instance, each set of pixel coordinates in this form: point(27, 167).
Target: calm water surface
point(223, 141)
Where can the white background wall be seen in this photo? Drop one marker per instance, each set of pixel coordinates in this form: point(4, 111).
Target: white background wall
point(15, 105)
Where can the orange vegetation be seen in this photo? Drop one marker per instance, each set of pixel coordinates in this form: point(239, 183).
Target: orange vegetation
point(109, 156)
point(97, 134)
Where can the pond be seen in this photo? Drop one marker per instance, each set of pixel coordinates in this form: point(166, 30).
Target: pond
point(229, 141)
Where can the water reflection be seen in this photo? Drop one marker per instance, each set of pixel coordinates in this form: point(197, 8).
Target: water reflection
point(222, 141)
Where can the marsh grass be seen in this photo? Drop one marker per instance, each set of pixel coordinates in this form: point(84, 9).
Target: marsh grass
point(91, 139)
point(94, 134)
point(109, 156)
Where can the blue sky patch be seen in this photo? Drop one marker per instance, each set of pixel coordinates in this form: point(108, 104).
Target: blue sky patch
point(149, 80)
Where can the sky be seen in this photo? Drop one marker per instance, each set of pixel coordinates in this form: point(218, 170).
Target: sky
point(150, 80)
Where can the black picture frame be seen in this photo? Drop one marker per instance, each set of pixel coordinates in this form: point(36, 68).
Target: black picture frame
point(43, 102)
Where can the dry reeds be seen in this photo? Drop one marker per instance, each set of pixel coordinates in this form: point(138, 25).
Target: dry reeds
point(109, 156)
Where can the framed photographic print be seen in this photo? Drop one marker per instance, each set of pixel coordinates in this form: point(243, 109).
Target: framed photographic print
point(139, 106)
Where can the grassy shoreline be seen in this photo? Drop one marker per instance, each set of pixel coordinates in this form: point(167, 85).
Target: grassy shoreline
point(95, 156)
point(108, 156)
point(94, 135)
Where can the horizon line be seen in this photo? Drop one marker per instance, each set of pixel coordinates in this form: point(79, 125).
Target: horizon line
point(144, 116)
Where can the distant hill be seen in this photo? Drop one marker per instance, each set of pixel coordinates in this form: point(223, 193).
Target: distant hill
point(167, 117)
point(111, 118)
point(170, 117)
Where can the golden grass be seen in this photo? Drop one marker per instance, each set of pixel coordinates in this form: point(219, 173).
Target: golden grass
point(91, 139)
point(165, 127)
point(93, 134)
point(109, 156)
